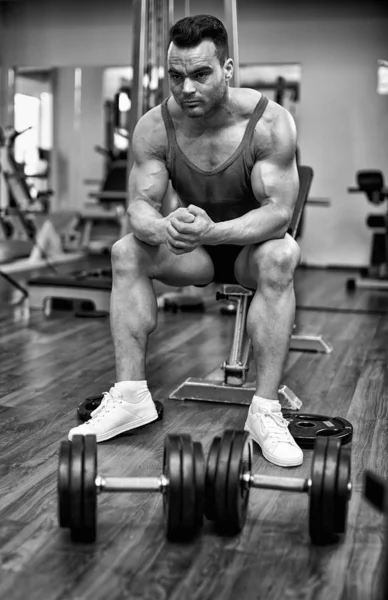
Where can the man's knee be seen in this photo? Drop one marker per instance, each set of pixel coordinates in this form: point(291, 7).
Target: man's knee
point(275, 262)
point(127, 254)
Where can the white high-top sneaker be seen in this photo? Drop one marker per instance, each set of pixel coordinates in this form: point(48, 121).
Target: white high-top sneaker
point(115, 415)
point(269, 429)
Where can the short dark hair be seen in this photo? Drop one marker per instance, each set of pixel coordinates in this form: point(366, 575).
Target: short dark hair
point(190, 31)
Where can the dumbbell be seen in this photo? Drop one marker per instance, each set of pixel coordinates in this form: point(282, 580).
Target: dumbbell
point(182, 485)
point(229, 479)
point(375, 490)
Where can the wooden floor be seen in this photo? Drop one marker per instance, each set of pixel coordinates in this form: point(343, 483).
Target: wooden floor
point(49, 366)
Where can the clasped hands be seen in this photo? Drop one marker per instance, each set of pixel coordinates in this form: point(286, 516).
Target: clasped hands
point(186, 229)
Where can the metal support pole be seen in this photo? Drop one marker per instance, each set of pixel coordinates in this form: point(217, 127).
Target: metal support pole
point(138, 61)
point(230, 9)
point(168, 19)
point(236, 368)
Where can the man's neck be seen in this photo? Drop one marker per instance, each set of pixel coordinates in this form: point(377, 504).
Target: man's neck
point(218, 118)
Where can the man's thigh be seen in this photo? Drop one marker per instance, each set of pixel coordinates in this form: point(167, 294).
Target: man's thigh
point(243, 271)
point(192, 268)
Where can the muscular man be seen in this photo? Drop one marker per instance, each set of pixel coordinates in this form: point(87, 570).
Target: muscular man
point(230, 156)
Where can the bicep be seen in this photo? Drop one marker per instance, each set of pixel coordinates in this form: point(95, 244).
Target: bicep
point(148, 180)
point(274, 177)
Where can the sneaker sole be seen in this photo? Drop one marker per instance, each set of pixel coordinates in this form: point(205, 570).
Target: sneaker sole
point(103, 437)
point(275, 461)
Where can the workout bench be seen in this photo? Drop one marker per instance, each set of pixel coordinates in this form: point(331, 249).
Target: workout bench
point(233, 387)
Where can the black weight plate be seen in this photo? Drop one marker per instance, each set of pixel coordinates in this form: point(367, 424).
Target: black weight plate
point(385, 573)
point(237, 494)
point(342, 491)
point(305, 428)
point(221, 522)
point(159, 409)
point(172, 497)
point(76, 488)
point(63, 484)
point(211, 470)
point(87, 406)
point(90, 404)
point(199, 465)
point(328, 501)
point(375, 490)
point(89, 489)
point(189, 515)
point(315, 501)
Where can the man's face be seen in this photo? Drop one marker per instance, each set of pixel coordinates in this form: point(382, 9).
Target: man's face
point(197, 79)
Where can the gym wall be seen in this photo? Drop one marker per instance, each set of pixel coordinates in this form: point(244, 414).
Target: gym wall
point(343, 121)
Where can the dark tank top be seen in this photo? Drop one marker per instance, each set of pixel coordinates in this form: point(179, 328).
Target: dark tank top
point(225, 192)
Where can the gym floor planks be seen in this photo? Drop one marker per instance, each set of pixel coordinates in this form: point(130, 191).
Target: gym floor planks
point(49, 365)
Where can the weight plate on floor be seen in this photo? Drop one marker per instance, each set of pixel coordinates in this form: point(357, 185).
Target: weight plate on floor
point(221, 522)
point(172, 496)
point(189, 514)
point(76, 487)
point(210, 478)
point(89, 520)
point(315, 500)
point(237, 494)
point(90, 404)
point(305, 428)
point(328, 500)
point(385, 573)
point(342, 491)
point(87, 406)
point(375, 490)
point(199, 464)
point(63, 484)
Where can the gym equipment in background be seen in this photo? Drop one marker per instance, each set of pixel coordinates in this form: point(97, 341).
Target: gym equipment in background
point(371, 183)
point(89, 292)
point(229, 480)
point(181, 484)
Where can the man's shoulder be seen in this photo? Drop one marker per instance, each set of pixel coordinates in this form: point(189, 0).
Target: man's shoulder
point(276, 124)
point(150, 131)
point(246, 100)
point(152, 122)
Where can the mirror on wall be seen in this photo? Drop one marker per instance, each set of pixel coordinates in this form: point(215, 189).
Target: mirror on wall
point(29, 130)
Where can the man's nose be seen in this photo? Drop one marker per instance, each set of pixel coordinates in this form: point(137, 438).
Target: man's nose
point(188, 86)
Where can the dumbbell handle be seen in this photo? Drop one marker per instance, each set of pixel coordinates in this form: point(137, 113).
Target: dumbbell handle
point(131, 484)
point(286, 484)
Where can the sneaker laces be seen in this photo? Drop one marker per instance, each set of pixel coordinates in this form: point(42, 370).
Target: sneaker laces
point(109, 400)
point(277, 425)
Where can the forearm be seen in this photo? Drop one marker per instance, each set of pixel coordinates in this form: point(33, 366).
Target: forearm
point(146, 223)
point(264, 223)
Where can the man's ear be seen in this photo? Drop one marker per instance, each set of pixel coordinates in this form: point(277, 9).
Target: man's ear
point(229, 68)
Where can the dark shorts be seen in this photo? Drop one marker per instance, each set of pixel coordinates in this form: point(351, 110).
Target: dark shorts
point(223, 258)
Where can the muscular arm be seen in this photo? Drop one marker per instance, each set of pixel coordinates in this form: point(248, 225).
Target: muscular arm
point(275, 184)
point(148, 183)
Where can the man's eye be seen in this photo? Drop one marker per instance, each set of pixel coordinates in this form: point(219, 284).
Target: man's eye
point(201, 75)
